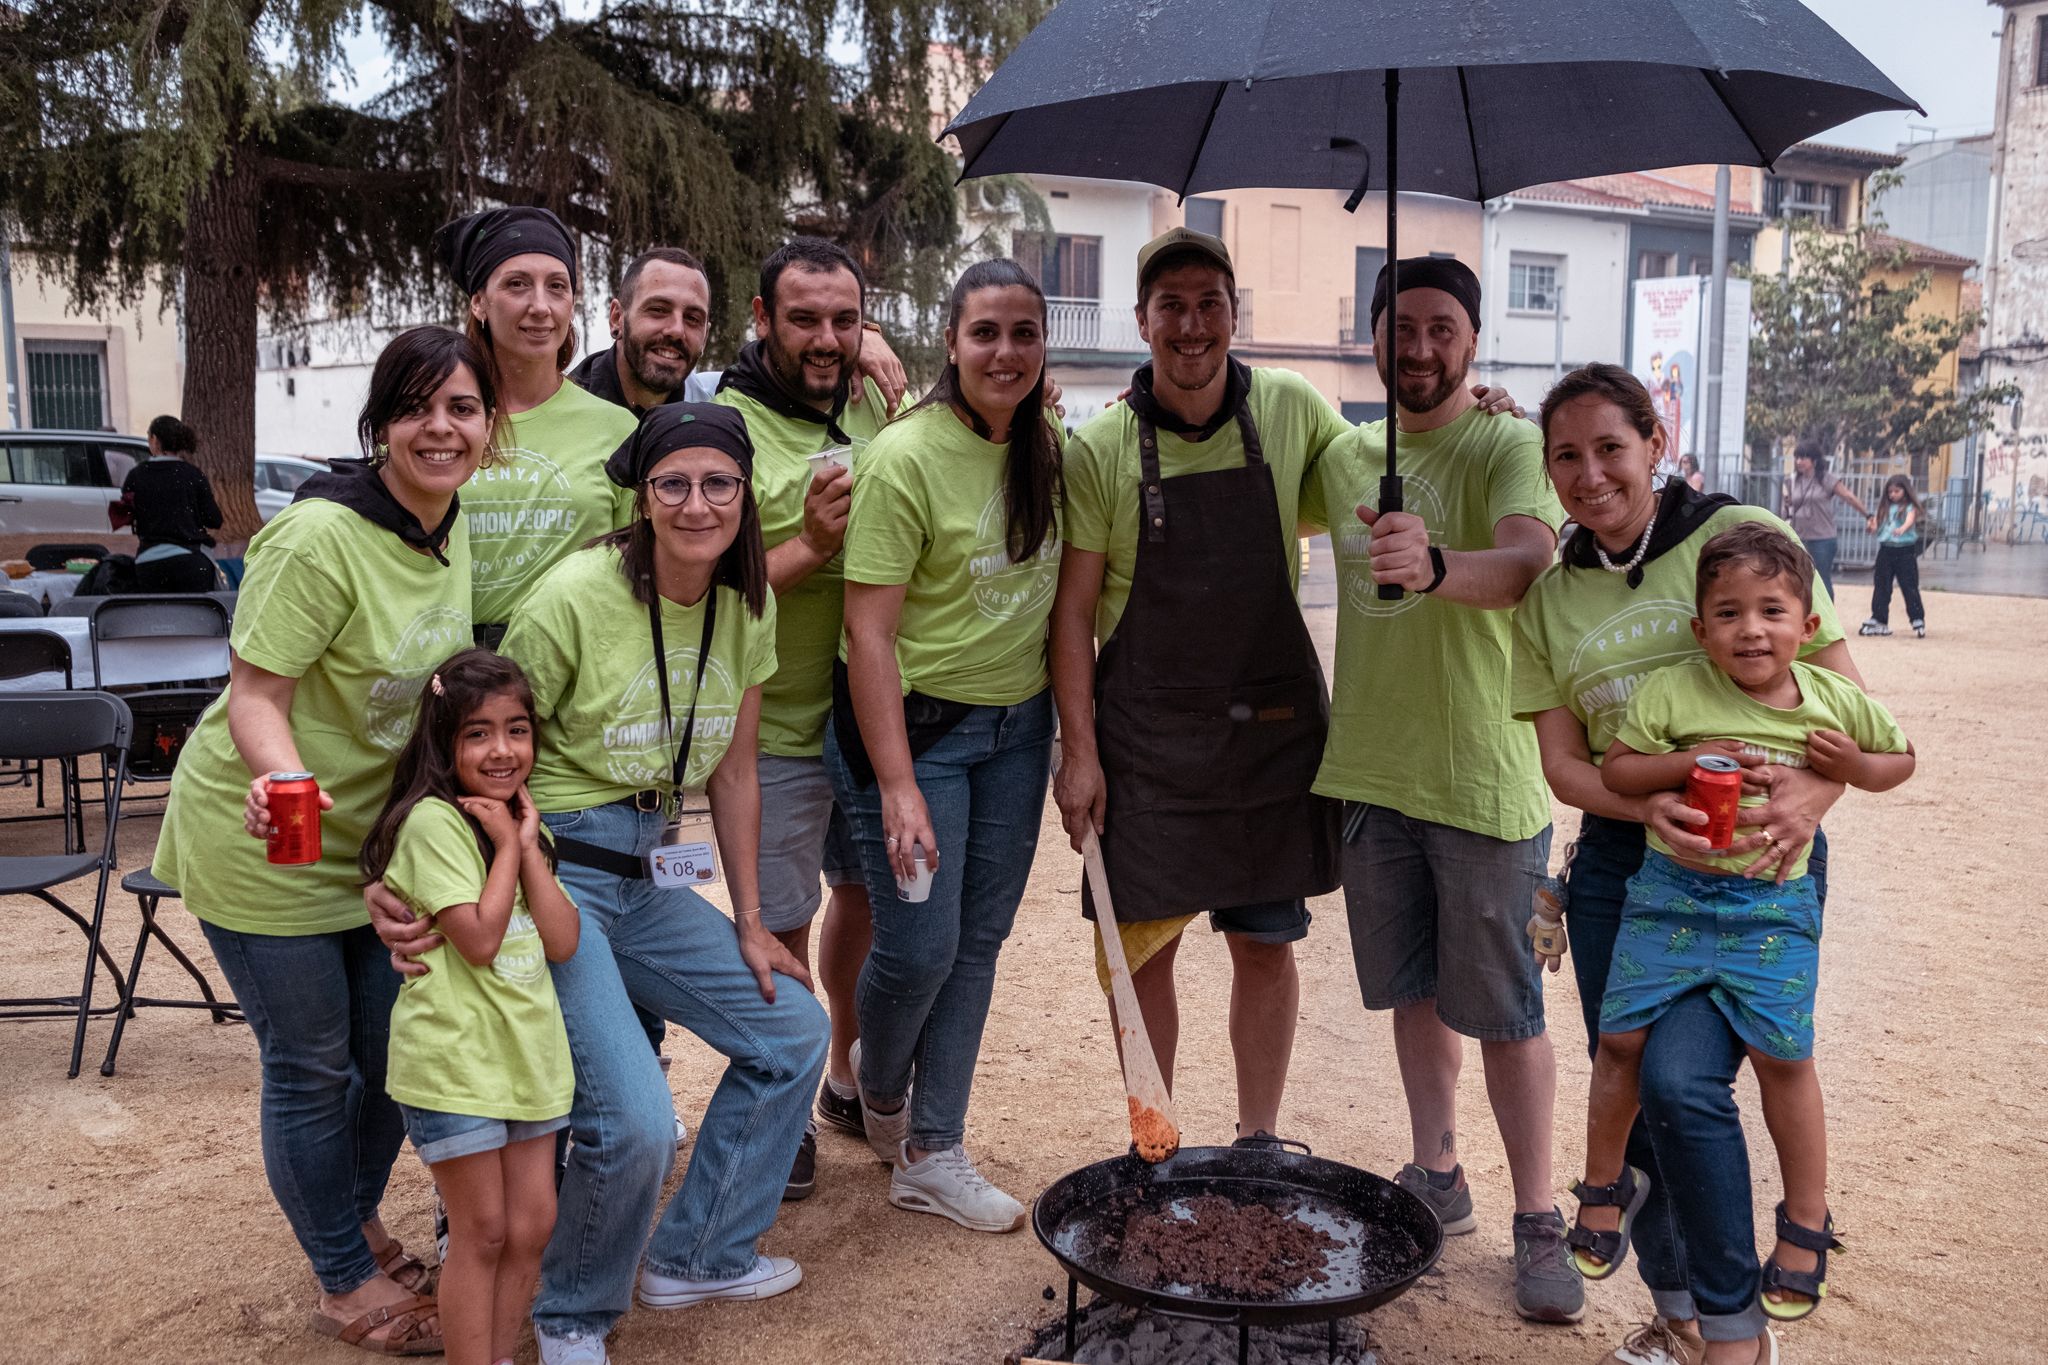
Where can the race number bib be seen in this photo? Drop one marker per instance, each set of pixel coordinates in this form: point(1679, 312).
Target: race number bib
point(687, 854)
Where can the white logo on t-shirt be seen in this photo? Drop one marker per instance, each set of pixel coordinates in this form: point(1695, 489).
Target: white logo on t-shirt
point(1352, 540)
point(1003, 588)
point(519, 509)
point(429, 638)
point(640, 749)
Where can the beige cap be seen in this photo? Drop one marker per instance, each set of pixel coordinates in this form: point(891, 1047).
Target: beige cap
point(1188, 238)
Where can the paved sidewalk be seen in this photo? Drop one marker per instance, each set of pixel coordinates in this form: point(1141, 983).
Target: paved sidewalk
point(1998, 570)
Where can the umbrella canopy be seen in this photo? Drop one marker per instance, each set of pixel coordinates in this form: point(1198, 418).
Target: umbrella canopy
point(1196, 95)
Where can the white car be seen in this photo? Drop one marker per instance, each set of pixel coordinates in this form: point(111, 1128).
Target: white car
point(57, 484)
point(278, 477)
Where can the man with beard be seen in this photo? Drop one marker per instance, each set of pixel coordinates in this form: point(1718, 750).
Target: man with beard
point(792, 384)
point(1447, 829)
point(660, 321)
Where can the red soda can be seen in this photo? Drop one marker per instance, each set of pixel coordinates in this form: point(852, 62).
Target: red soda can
point(294, 818)
point(1715, 786)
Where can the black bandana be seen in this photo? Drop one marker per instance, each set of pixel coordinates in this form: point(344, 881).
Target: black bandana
point(1431, 272)
point(359, 488)
point(471, 248)
point(751, 374)
point(1237, 391)
point(1681, 510)
point(679, 426)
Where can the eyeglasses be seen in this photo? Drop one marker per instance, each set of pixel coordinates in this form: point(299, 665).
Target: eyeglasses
point(718, 489)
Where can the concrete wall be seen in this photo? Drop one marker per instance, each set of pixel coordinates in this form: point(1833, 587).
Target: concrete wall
point(1944, 197)
point(2016, 273)
point(1517, 349)
point(144, 374)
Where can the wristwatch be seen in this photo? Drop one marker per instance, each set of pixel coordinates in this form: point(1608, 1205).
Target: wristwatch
point(1436, 562)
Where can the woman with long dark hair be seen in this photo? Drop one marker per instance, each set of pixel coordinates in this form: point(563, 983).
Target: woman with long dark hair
point(1619, 606)
point(941, 732)
point(353, 594)
point(1899, 540)
point(1810, 506)
point(518, 267)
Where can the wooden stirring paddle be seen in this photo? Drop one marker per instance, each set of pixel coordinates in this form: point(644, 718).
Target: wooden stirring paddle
point(1153, 1130)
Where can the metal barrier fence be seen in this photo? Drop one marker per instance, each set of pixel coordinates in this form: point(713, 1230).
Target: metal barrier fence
point(1855, 542)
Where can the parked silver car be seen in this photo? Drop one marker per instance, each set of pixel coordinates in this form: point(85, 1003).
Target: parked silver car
point(57, 484)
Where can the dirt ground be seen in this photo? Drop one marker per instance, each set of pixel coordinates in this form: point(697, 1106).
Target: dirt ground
point(135, 1224)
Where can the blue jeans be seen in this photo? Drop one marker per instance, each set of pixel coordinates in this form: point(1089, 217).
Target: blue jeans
point(1695, 1240)
point(1823, 552)
point(673, 954)
point(924, 991)
point(320, 1007)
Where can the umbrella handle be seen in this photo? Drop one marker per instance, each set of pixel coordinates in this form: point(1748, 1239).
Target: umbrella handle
point(1390, 501)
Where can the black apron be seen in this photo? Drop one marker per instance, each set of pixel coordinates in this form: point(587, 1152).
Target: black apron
point(1210, 710)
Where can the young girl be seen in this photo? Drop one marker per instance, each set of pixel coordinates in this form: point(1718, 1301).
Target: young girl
point(1898, 556)
point(479, 1056)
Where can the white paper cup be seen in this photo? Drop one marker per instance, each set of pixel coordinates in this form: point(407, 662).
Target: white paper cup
point(833, 456)
point(919, 888)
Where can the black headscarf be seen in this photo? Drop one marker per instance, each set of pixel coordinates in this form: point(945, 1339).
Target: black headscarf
point(1237, 391)
point(679, 426)
point(471, 248)
point(751, 374)
point(1431, 272)
point(359, 488)
point(1681, 510)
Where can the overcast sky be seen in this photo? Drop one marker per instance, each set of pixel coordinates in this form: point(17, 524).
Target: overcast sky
point(1943, 53)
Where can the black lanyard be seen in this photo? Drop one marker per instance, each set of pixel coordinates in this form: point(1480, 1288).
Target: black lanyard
point(682, 763)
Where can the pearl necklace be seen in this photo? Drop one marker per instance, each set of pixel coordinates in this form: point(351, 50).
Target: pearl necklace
point(1642, 548)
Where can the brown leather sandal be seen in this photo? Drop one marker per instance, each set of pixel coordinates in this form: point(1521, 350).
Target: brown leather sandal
point(409, 1272)
point(409, 1334)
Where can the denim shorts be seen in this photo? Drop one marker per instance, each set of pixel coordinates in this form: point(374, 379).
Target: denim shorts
point(1266, 922)
point(1753, 944)
point(803, 836)
point(443, 1137)
point(1441, 913)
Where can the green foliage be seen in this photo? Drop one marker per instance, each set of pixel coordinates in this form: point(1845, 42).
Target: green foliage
point(1844, 360)
point(719, 126)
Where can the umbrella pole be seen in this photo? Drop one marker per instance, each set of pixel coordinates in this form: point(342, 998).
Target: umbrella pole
point(1390, 482)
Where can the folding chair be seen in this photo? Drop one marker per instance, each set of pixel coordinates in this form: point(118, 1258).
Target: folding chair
point(154, 618)
point(148, 891)
point(25, 654)
point(68, 726)
point(18, 604)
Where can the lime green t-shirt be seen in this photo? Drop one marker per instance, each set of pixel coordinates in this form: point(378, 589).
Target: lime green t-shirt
point(483, 1041)
point(1296, 424)
point(1419, 716)
point(360, 620)
point(1585, 640)
point(809, 615)
point(586, 648)
point(546, 495)
point(1693, 701)
point(930, 512)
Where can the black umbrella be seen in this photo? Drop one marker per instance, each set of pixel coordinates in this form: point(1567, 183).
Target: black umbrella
point(1196, 95)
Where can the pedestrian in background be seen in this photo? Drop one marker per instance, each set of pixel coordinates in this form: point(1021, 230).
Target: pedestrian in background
point(1810, 507)
point(1898, 557)
point(171, 505)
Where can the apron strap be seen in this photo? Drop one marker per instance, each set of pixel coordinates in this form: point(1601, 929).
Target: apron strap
point(1150, 496)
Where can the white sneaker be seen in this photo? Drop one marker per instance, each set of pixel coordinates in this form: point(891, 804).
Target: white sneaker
point(885, 1132)
point(682, 1132)
point(947, 1183)
point(770, 1276)
point(574, 1349)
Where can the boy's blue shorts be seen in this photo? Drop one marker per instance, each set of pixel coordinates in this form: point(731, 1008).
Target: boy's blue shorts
point(1755, 945)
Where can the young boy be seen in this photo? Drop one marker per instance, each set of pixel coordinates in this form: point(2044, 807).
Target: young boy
point(1694, 920)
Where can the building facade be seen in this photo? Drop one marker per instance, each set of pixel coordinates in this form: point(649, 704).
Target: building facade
point(1943, 198)
point(2015, 473)
point(111, 370)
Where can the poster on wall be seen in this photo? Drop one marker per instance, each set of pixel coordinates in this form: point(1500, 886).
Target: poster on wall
point(1667, 350)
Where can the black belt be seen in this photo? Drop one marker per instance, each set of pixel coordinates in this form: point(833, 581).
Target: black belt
point(627, 865)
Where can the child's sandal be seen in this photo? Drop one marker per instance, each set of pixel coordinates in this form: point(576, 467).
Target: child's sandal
point(1812, 1283)
point(1626, 1194)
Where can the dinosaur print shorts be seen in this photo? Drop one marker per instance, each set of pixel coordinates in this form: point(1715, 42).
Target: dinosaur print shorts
point(1752, 945)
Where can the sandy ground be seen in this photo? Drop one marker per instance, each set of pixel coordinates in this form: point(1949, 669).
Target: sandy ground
point(135, 1224)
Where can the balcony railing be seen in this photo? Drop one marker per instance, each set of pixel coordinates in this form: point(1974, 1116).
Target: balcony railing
point(1244, 315)
point(1085, 325)
point(1347, 325)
